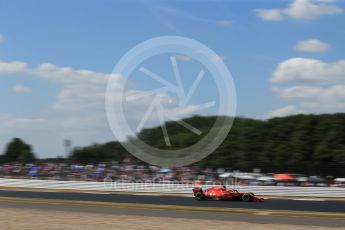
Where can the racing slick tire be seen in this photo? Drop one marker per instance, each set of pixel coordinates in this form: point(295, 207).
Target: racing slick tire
point(247, 197)
point(199, 196)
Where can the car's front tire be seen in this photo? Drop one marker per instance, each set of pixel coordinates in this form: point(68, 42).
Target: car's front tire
point(199, 196)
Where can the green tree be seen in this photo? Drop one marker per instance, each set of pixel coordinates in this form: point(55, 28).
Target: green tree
point(309, 144)
point(112, 151)
point(18, 150)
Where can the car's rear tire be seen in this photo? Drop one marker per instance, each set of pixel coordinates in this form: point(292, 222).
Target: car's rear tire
point(247, 197)
point(199, 196)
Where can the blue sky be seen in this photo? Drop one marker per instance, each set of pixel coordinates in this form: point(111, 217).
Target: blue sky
point(286, 57)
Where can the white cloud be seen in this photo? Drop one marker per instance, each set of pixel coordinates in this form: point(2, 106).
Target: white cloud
point(285, 111)
point(77, 111)
point(270, 14)
point(311, 70)
point(312, 45)
point(299, 92)
point(310, 9)
point(78, 106)
point(68, 75)
point(21, 89)
point(301, 10)
point(15, 67)
point(329, 95)
point(81, 89)
point(80, 97)
point(309, 99)
point(324, 92)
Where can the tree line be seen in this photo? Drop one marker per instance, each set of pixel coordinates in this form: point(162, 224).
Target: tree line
point(308, 144)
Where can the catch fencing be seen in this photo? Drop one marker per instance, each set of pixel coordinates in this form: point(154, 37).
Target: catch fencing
point(109, 185)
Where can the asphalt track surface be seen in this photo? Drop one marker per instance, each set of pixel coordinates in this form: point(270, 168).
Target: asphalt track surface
point(258, 219)
point(271, 204)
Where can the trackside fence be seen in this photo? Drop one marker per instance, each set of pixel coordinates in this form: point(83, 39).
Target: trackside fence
point(109, 185)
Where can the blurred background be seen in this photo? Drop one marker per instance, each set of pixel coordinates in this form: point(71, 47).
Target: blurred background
point(287, 62)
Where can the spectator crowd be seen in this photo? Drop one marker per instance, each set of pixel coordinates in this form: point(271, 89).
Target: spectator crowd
point(128, 171)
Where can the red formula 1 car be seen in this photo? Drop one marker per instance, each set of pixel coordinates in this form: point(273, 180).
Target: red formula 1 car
point(221, 193)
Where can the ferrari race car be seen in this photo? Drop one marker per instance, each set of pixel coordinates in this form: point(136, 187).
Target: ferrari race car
point(221, 193)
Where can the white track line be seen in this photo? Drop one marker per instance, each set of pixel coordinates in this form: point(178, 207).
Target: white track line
point(309, 199)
